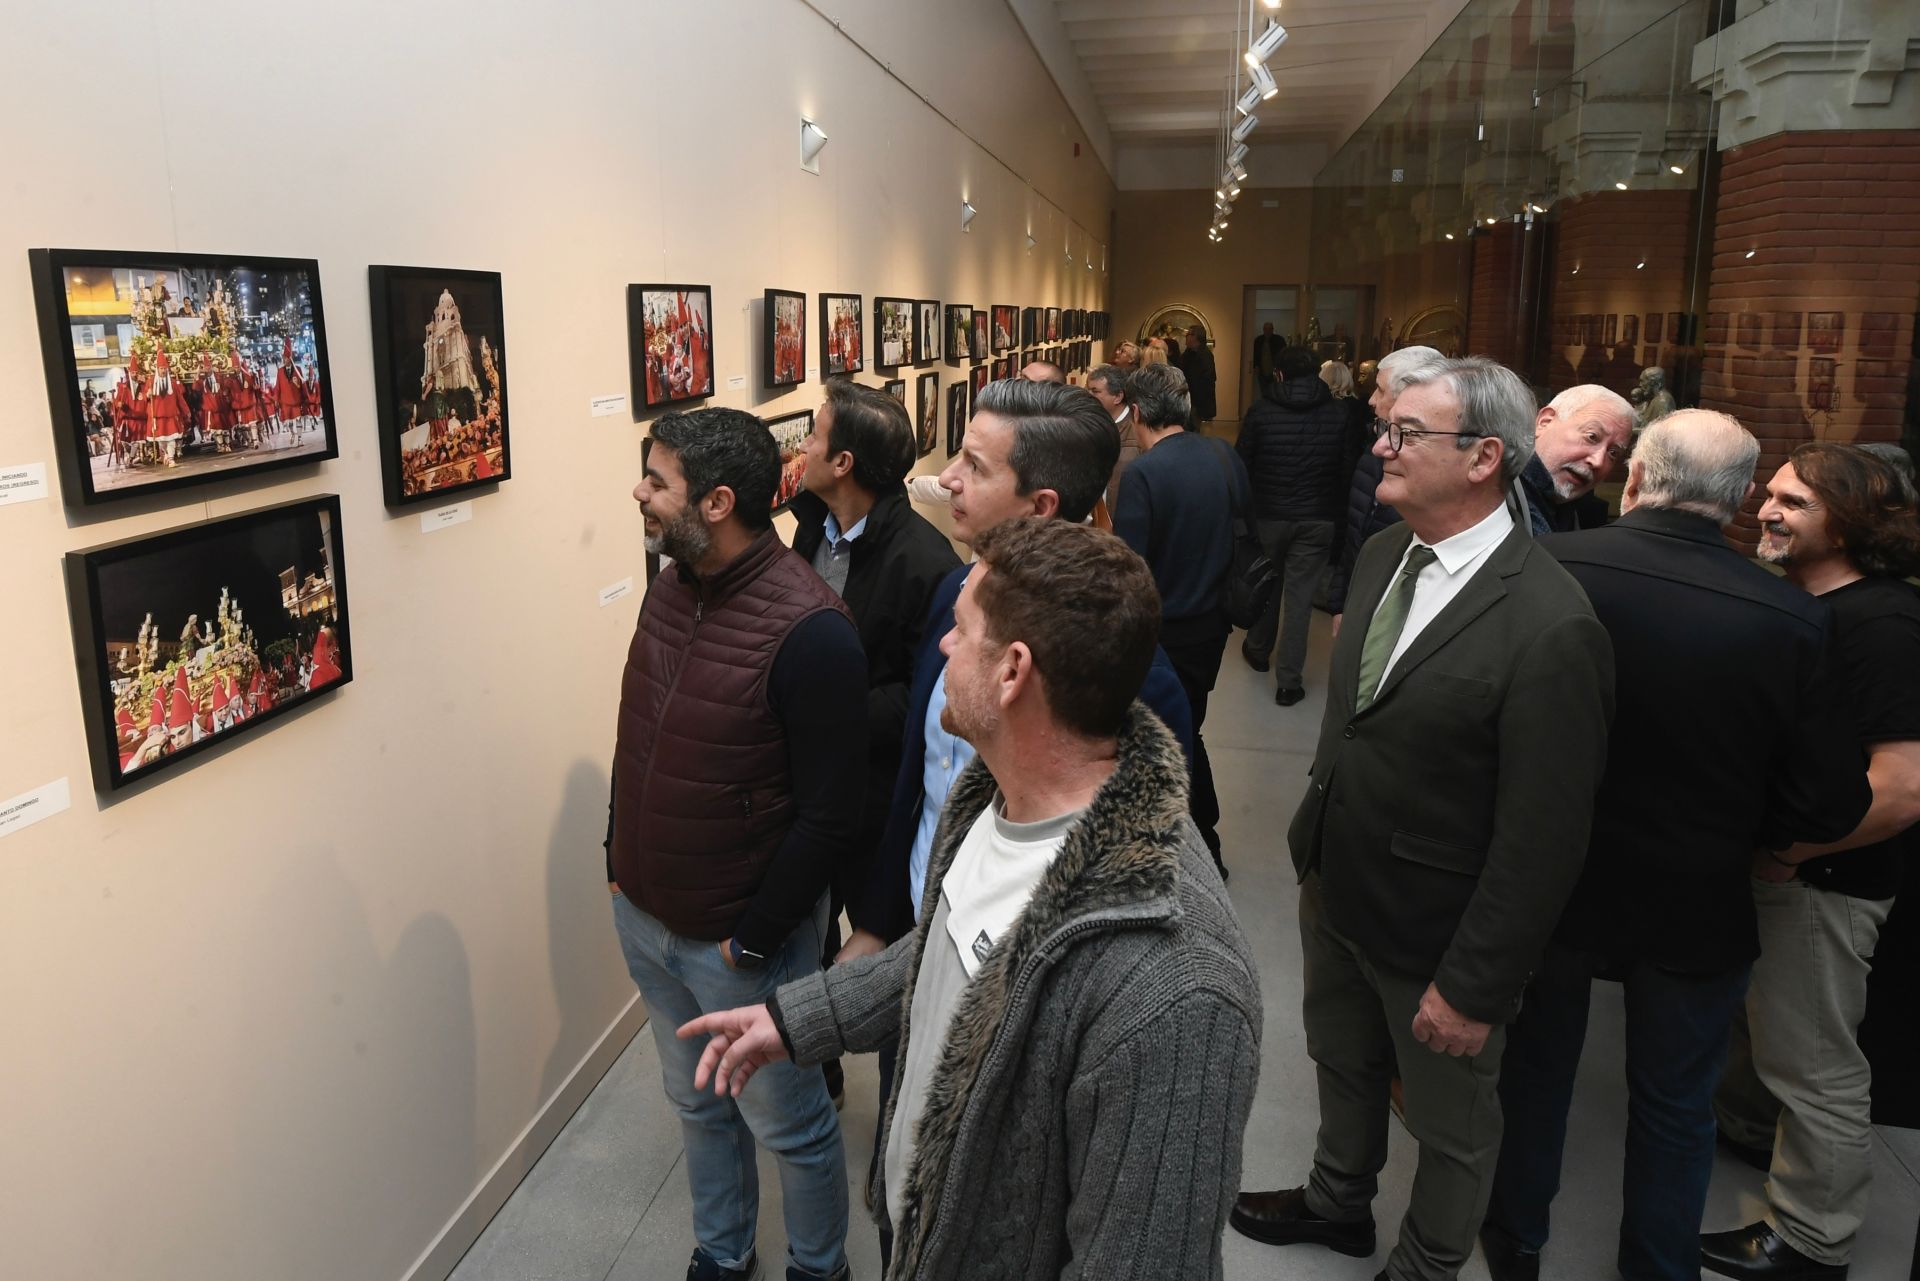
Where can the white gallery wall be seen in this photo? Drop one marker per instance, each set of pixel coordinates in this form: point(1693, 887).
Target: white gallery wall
point(306, 1007)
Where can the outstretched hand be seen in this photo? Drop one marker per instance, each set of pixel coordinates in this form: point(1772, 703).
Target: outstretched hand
point(744, 1041)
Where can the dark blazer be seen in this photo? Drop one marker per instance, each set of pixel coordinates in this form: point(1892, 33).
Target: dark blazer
point(1448, 819)
point(882, 903)
point(1730, 736)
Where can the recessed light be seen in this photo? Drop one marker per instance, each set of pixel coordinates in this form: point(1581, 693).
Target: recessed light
point(1620, 186)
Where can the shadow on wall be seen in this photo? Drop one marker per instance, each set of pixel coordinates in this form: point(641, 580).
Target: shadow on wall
point(580, 935)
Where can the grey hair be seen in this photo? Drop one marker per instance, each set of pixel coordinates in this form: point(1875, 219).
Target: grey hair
point(1063, 440)
point(1574, 399)
point(1494, 405)
point(1696, 460)
point(1397, 366)
point(1112, 377)
point(1159, 395)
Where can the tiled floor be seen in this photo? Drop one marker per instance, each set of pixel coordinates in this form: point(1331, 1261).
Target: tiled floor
point(609, 1200)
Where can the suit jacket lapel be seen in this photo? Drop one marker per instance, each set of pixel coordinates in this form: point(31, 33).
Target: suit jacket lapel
point(1482, 590)
point(1364, 593)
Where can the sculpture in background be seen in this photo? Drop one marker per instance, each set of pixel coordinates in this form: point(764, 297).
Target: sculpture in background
point(1650, 397)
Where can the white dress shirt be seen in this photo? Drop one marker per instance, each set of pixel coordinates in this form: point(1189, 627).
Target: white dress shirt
point(1457, 560)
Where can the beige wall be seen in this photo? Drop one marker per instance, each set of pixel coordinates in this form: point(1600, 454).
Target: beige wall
point(284, 1012)
point(1162, 256)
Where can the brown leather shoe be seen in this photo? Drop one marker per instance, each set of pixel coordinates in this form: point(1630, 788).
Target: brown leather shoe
point(1282, 1218)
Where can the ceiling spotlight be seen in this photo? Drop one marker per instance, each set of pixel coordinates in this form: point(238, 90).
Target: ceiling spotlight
point(1639, 265)
point(1576, 271)
point(1538, 208)
point(1248, 100)
point(1449, 235)
point(967, 211)
point(1271, 4)
point(1676, 168)
point(1220, 194)
point(1031, 242)
point(1233, 192)
point(1223, 224)
point(1752, 252)
point(1491, 221)
point(1238, 154)
point(1240, 173)
point(813, 140)
point(1263, 81)
point(1619, 186)
point(1246, 126)
point(1272, 38)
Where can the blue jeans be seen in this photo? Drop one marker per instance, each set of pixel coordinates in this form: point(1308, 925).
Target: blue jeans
point(784, 1107)
point(1676, 1046)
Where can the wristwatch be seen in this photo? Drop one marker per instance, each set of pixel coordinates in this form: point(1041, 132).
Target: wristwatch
point(742, 958)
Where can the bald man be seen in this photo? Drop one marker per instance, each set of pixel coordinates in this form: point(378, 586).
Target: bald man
point(1578, 439)
point(1727, 738)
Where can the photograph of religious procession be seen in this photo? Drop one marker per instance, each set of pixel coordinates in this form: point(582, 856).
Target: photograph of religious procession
point(783, 346)
point(790, 432)
point(439, 380)
point(670, 344)
point(926, 329)
point(168, 370)
point(956, 414)
point(1006, 325)
point(196, 635)
point(982, 348)
point(959, 331)
point(840, 335)
point(926, 418)
point(892, 332)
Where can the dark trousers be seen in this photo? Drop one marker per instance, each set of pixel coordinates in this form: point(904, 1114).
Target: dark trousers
point(1194, 647)
point(1676, 1046)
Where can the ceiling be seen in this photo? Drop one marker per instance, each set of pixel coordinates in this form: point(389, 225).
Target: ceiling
point(1158, 69)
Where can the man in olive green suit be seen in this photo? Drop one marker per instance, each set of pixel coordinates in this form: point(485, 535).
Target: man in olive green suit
point(1445, 826)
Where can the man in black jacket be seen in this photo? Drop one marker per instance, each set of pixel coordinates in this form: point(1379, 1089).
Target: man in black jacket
point(1730, 737)
point(1578, 438)
point(1176, 509)
point(1295, 444)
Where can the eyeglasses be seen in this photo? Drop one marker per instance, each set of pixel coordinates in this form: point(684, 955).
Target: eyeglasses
point(1397, 435)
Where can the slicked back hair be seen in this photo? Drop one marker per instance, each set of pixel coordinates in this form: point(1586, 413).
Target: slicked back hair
point(1063, 440)
point(1083, 603)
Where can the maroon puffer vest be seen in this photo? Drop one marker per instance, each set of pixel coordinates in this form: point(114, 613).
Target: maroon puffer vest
point(701, 793)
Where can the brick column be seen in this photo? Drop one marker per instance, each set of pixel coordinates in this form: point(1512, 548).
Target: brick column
point(1495, 310)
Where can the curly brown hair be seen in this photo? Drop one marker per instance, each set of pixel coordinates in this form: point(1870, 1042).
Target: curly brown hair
point(1869, 509)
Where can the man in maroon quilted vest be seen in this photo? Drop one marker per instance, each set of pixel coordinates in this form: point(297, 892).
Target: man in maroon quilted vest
point(745, 694)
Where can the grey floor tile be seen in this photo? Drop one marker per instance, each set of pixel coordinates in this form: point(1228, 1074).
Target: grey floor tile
point(1905, 1146)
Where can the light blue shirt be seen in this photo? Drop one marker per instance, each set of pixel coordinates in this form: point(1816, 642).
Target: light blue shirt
point(946, 757)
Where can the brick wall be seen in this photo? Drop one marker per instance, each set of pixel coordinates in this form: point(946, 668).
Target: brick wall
point(1816, 278)
point(1496, 310)
point(1611, 316)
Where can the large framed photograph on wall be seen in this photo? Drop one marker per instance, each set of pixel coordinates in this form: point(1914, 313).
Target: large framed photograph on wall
point(439, 380)
point(167, 370)
point(893, 321)
point(790, 432)
point(783, 338)
point(200, 634)
point(669, 344)
point(841, 330)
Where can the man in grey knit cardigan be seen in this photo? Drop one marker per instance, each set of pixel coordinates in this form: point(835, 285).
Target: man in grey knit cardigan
point(1078, 1011)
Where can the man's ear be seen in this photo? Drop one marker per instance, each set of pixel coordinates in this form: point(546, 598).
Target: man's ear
point(1046, 502)
point(718, 504)
point(1016, 671)
point(1630, 493)
point(1485, 465)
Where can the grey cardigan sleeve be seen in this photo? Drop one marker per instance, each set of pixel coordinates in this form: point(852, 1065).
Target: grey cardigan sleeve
point(849, 1009)
point(1154, 1132)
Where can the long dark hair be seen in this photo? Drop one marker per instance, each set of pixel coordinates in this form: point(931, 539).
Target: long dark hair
point(1870, 508)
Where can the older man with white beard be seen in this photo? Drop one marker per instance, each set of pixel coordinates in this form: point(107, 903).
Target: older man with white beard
point(1578, 439)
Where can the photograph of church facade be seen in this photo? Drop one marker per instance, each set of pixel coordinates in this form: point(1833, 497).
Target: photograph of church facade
point(440, 380)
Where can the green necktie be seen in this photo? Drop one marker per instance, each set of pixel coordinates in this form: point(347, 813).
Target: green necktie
point(1383, 633)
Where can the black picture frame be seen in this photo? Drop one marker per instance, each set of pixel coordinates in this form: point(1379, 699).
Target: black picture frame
point(1004, 326)
point(841, 324)
point(982, 344)
point(1002, 367)
point(959, 347)
point(977, 380)
point(893, 323)
point(176, 578)
point(1053, 325)
point(100, 458)
point(653, 379)
point(1029, 326)
point(783, 357)
point(926, 330)
point(956, 414)
point(897, 388)
point(790, 432)
point(926, 414)
point(404, 303)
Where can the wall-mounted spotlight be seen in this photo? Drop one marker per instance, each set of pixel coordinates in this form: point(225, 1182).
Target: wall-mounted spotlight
point(1676, 168)
point(1752, 252)
point(1239, 173)
point(1031, 242)
point(1491, 221)
point(1640, 265)
point(1246, 126)
point(1233, 192)
point(1248, 100)
point(1237, 155)
point(813, 140)
point(1619, 186)
point(1449, 235)
point(1263, 48)
point(1263, 81)
point(967, 211)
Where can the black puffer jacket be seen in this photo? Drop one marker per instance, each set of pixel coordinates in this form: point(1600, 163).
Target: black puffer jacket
point(1365, 516)
point(1295, 443)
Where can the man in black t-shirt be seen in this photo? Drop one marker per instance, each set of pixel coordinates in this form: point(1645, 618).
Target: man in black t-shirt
point(1841, 524)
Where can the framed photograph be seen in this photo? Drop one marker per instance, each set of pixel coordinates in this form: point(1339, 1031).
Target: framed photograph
point(1655, 321)
point(1786, 330)
point(1630, 329)
point(896, 388)
point(199, 634)
point(1005, 327)
point(841, 335)
point(439, 380)
point(1028, 357)
point(790, 432)
point(977, 380)
point(167, 370)
point(893, 321)
point(982, 346)
point(1826, 330)
point(926, 331)
point(783, 338)
point(669, 344)
point(1002, 368)
point(956, 414)
point(959, 331)
point(1053, 325)
point(1029, 326)
point(927, 410)
point(1879, 332)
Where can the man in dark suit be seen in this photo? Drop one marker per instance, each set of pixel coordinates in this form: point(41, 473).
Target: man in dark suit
point(1730, 738)
point(1465, 732)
